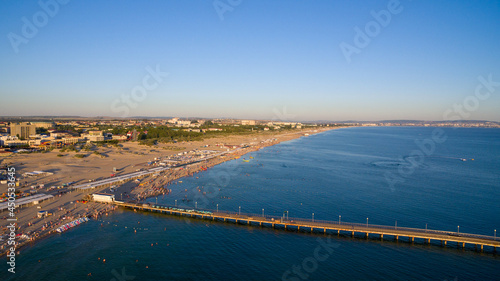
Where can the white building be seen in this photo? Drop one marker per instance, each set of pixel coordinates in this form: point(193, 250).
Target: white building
point(103, 197)
point(183, 123)
point(93, 137)
point(247, 122)
point(72, 140)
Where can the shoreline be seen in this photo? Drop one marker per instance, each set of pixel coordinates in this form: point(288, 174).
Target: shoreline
point(154, 188)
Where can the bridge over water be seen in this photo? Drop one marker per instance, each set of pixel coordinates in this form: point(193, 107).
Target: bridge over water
point(382, 232)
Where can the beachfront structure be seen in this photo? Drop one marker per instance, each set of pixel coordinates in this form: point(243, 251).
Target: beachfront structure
point(103, 197)
point(12, 143)
point(33, 199)
point(22, 130)
point(4, 139)
point(72, 140)
point(37, 173)
point(91, 138)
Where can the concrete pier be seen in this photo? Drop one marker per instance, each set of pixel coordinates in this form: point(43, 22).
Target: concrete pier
point(322, 227)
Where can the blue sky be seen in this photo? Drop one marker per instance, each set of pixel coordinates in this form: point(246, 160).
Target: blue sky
point(259, 59)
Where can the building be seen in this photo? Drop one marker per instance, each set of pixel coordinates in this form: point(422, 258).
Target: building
point(134, 135)
point(7, 138)
point(95, 138)
point(45, 125)
point(173, 120)
point(212, 129)
point(247, 122)
point(22, 130)
point(183, 123)
point(95, 133)
point(120, 138)
point(103, 197)
point(12, 141)
point(72, 140)
point(60, 134)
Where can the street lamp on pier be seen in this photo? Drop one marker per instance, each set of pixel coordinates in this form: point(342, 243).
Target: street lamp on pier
point(313, 217)
point(239, 210)
point(425, 227)
point(495, 235)
point(175, 202)
point(196, 205)
point(262, 212)
point(286, 215)
point(458, 229)
point(367, 222)
point(339, 218)
point(217, 208)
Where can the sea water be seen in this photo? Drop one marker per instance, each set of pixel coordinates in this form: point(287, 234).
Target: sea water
point(374, 175)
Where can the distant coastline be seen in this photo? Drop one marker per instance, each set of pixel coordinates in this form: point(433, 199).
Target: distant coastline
point(401, 122)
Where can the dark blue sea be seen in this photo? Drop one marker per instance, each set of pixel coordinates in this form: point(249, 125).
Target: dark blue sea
point(446, 178)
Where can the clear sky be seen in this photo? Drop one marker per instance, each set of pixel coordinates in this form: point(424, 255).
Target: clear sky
point(261, 59)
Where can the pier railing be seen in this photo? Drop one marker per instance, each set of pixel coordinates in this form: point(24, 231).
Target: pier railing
point(346, 226)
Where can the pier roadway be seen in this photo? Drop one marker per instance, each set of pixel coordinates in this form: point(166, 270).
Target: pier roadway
point(412, 235)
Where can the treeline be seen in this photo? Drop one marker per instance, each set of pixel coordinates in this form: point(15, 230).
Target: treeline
point(166, 134)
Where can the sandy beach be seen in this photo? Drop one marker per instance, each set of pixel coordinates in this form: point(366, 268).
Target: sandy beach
point(69, 204)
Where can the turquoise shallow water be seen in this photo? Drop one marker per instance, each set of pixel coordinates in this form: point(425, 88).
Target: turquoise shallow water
point(341, 172)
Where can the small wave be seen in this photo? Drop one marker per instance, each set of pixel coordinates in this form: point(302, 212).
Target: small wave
point(405, 161)
point(387, 164)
